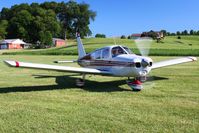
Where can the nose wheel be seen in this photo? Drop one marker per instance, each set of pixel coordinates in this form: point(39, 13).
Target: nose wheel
point(136, 85)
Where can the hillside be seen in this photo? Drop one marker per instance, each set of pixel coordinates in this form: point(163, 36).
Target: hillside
point(170, 46)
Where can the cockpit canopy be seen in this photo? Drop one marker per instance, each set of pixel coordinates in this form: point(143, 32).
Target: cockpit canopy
point(110, 52)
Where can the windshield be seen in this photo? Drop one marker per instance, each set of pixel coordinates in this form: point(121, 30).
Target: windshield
point(128, 50)
point(117, 51)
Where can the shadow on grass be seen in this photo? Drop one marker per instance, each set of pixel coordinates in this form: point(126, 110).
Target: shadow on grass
point(68, 82)
point(154, 78)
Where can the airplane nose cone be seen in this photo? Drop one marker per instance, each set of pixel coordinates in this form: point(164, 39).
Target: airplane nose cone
point(143, 73)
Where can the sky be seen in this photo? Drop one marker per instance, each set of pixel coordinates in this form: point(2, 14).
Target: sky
point(124, 17)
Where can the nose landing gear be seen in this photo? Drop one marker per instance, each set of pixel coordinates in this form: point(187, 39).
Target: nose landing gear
point(135, 85)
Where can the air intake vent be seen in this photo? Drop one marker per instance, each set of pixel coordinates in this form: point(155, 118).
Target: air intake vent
point(138, 64)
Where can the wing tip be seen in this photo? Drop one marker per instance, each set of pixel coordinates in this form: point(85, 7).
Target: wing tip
point(193, 58)
point(11, 63)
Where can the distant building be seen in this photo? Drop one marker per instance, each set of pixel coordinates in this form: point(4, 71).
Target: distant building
point(57, 42)
point(159, 34)
point(12, 44)
point(135, 36)
point(153, 34)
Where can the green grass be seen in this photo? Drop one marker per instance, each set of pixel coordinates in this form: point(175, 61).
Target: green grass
point(171, 46)
point(47, 101)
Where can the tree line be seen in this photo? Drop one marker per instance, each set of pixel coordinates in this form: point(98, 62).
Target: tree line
point(153, 34)
point(185, 32)
point(40, 22)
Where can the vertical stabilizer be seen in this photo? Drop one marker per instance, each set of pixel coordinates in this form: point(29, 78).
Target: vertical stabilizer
point(81, 51)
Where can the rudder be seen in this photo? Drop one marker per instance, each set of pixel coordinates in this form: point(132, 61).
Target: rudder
point(80, 47)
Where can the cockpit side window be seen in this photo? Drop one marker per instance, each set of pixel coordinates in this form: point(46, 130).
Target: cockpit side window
point(96, 54)
point(105, 53)
point(117, 51)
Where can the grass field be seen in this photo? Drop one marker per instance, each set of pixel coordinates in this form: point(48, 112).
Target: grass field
point(46, 101)
point(170, 46)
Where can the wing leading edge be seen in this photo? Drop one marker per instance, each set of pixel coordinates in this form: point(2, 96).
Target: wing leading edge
point(56, 68)
point(173, 62)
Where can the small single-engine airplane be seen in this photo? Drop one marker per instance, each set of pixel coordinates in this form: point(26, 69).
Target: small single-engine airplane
point(113, 60)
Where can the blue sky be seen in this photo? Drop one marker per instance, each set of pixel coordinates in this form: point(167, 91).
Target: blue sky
point(118, 17)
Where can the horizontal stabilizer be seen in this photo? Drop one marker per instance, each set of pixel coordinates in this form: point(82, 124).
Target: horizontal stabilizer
point(66, 61)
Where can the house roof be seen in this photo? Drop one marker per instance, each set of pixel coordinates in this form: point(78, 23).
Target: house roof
point(55, 39)
point(136, 35)
point(13, 41)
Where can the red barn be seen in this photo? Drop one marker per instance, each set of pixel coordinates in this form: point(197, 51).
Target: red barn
point(135, 36)
point(59, 42)
point(12, 44)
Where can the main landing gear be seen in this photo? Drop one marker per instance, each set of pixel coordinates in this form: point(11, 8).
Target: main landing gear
point(136, 84)
point(81, 81)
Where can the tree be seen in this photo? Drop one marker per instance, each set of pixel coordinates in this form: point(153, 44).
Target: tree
point(191, 32)
point(129, 37)
point(29, 20)
point(75, 17)
point(19, 25)
point(100, 36)
point(185, 32)
point(123, 37)
point(3, 27)
point(168, 33)
point(152, 34)
point(46, 39)
point(5, 14)
point(178, 33)
point(172, 34)
point(32, 22)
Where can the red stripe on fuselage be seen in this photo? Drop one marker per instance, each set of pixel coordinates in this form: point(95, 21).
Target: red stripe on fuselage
point(109, 63)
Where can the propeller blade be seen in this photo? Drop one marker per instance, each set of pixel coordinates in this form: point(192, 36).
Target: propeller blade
point(143, 45)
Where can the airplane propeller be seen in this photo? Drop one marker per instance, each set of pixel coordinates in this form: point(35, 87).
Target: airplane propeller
point(143, 44)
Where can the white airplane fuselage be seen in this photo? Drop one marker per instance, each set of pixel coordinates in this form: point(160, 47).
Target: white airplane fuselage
point(123, 65)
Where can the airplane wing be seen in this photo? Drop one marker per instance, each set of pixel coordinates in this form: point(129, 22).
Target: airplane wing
point(56, 68)
point(173, 62)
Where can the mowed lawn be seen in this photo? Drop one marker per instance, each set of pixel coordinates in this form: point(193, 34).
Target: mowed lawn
point(47, 101)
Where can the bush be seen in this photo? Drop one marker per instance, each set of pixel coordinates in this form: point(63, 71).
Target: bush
point(129, 37)
point(123, 37)
point(179, 37)
point(46, 39)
